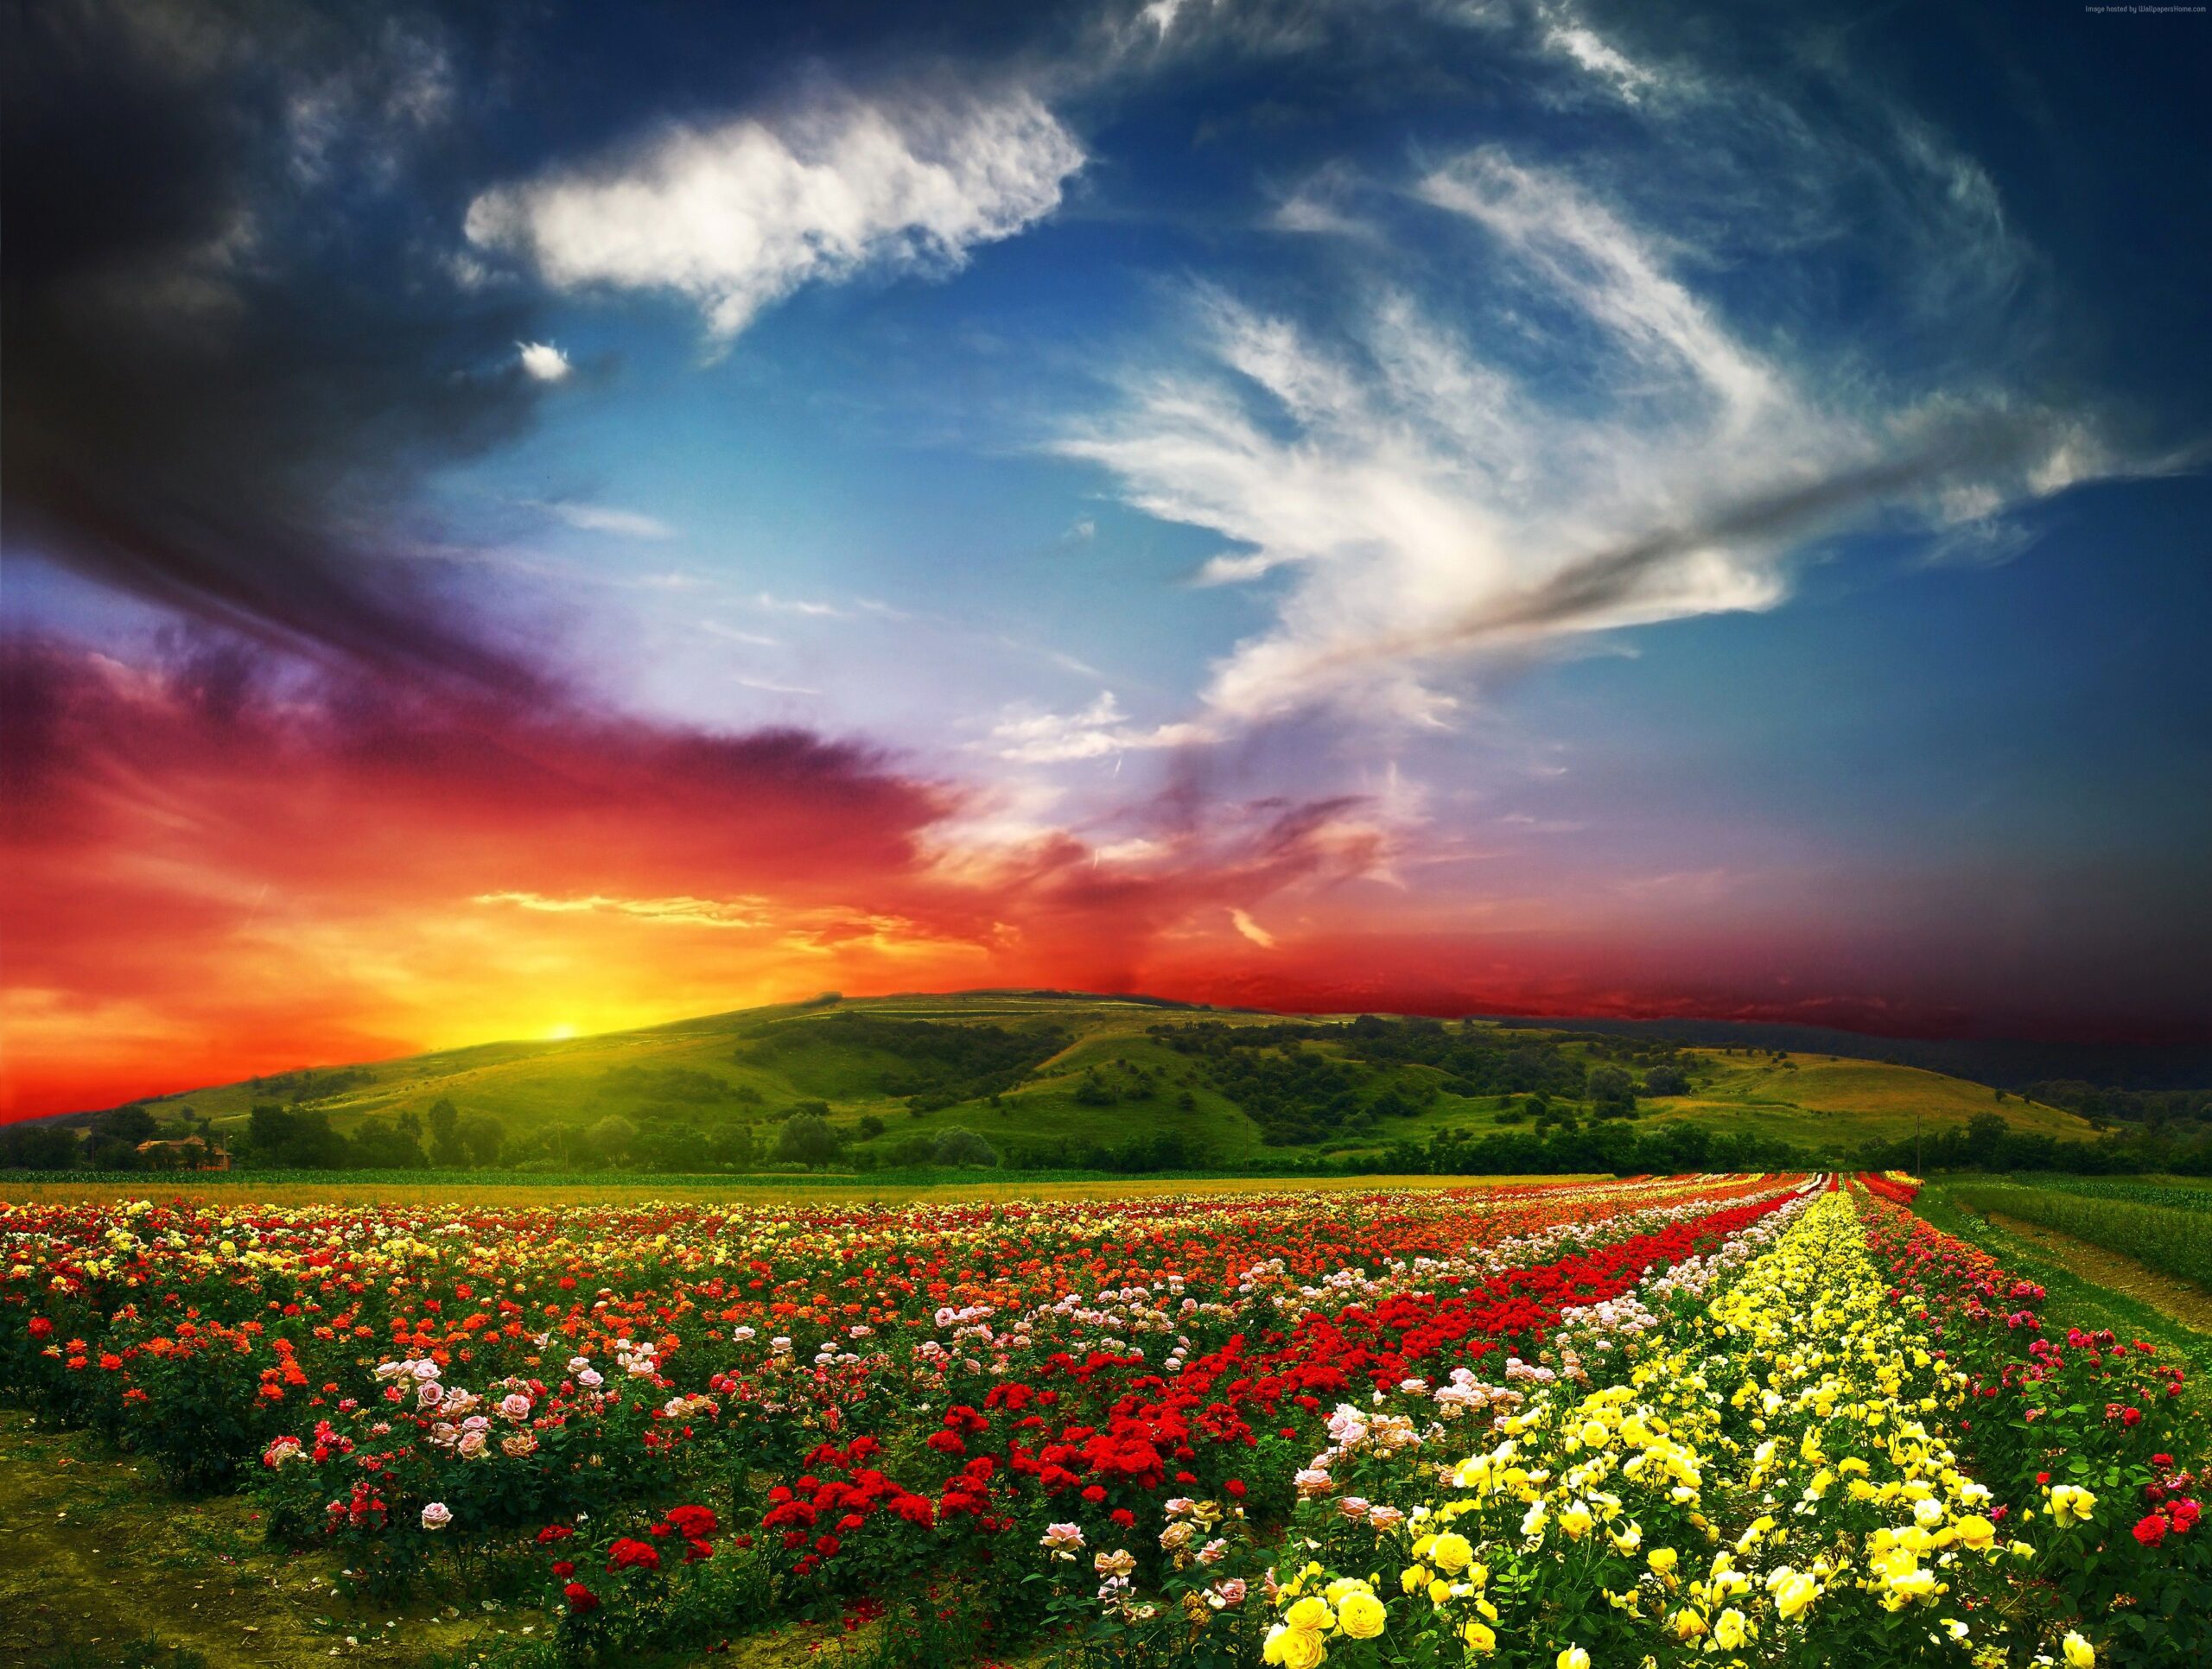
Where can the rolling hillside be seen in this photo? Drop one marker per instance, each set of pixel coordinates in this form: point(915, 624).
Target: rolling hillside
point(1045, 1071)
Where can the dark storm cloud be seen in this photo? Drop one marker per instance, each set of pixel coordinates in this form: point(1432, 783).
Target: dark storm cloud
point(228, 355)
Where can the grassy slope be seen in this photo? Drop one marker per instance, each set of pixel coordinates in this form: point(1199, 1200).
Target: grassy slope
point(1814, 1099)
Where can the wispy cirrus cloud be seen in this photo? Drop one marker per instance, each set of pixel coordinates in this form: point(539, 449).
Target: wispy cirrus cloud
point(1605, 449)
point(1243, 922)
point(746, 913)
point(608, 518)
point(1095, 732)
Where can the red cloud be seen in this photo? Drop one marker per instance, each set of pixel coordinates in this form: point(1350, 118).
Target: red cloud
point(216, 867)
point(213, 871)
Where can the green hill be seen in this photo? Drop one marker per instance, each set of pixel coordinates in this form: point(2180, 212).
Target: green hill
point(1049, 1075)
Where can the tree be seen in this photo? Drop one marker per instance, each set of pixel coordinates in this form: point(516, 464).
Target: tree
point(871, 1126)
point(808, 1138)
point(1666, 1080)
point(269, 1128)
point(446, 1147)
point(1611, 1093)
point(38, 1147)
point(132, 1124)
point(731, 1148)
point(381, 1145)
point(482, 1136)
point(956, 1144)
point(612, 1138)
point(314, 1146)
point(113, 1153)
point(1984, 1142)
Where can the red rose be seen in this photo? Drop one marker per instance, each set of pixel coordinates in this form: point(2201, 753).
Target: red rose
point(564, 1567)
point(581, 1598)
point(2150, 1531)
point(1235, 1488)
point(693, 1523)
point(1122, 1516)
point(629, 1551)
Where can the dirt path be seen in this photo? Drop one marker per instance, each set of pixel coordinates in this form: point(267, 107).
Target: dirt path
point(2189, 1305)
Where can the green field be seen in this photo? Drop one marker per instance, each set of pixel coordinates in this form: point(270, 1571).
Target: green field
point(2175, 1193)
point(2172, 1239)
point(752, 1066)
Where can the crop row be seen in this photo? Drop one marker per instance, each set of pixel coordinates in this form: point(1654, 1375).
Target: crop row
point(2175, 1240)
point(2179, 1194)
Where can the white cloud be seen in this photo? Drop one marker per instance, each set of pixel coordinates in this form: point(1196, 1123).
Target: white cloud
point(544, 361)
point(736, 217)
point(776, 605)
point(605, 518)
point(1569, 36)
point(1251, 928)
point(1098, 730)
point(716, 629)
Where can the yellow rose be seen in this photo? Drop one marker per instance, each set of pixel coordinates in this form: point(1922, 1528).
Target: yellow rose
point(1975, 1532)
point(1688, 1625)
point(2070, 1504)
point(1415, 1579)
point(1572, 1657)
point(1480, 1637)
point(1794, 1593)
point(1728, 1630)
point(1293, 1648)
point(1452, 1553)
point(1361, 1616)
point(1661, 1559)
point(2079, 1654)
point(1308, 1616)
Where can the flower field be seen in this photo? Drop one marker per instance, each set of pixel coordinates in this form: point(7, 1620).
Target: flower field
point(1709, 1420)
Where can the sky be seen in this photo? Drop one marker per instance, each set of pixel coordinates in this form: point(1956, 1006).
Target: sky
point(524, 521)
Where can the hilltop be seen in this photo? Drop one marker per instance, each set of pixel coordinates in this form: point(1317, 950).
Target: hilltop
point(1067, 1079)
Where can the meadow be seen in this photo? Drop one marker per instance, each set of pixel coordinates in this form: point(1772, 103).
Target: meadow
point(1755, 1420)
